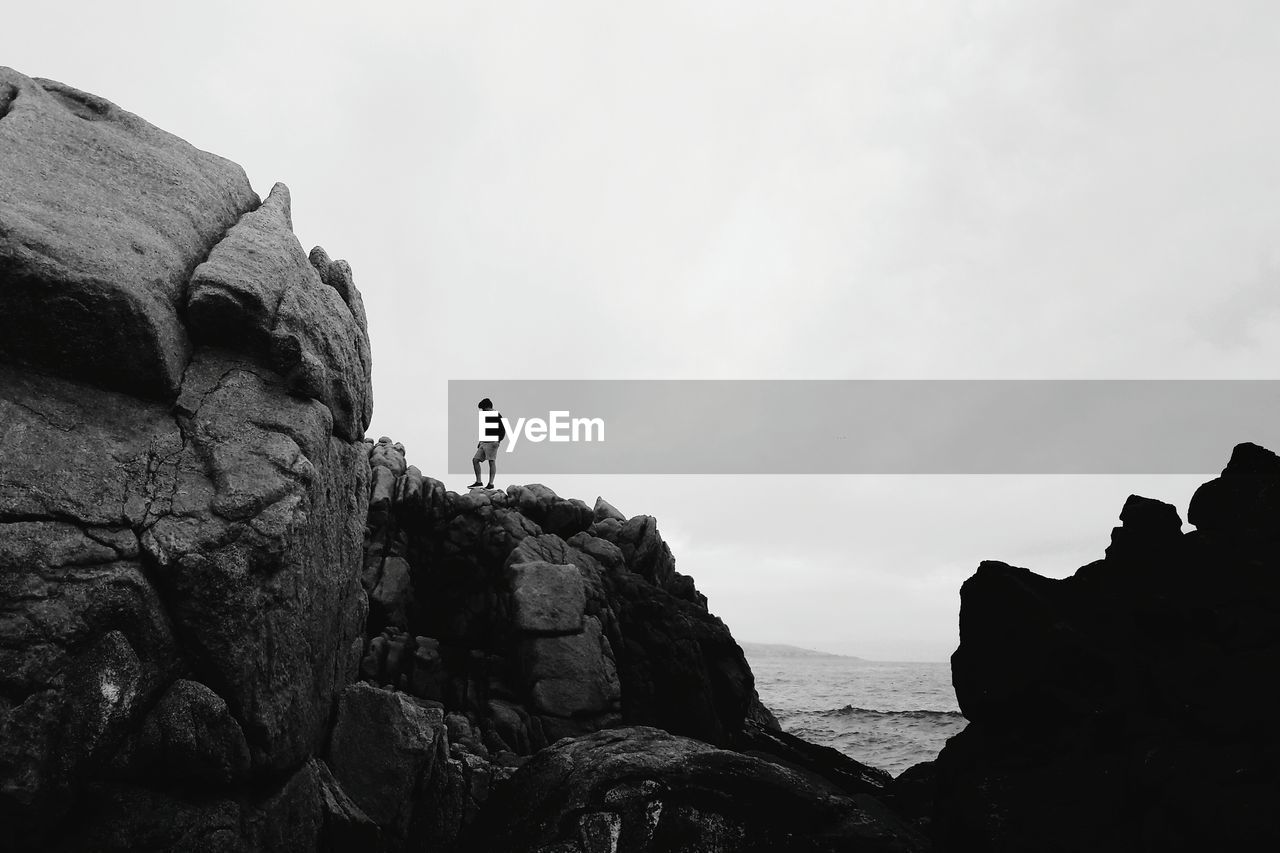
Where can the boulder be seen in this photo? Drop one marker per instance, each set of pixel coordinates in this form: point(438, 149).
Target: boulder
point(644, 550)
point(1128, 706)
point(337, 274)
point(385, 750)
point(191, 737)
point(604, 510)
point(547, 598)
point(1242, 505)
point(388, 454)
point(259, 293)
point(1010, 631)
point(322, 351)
point(679, 666)
point(310, 813)
point(631, 790)
point(1148, 530)
point(103, 219)
point(554, 514)
point(571, 675)
point(391, 599)
point(234, 295)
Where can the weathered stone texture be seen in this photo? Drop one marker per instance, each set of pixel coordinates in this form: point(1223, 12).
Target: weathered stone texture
point(180, 526)
point(103, 217)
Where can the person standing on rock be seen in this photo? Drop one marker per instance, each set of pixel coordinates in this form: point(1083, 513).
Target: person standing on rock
point(488, 450)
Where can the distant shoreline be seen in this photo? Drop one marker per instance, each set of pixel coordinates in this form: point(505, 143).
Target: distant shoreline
point(784, 650)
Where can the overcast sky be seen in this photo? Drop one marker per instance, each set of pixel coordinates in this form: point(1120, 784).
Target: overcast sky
point(757, 190)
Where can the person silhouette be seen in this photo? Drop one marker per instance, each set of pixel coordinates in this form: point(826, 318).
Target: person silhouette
point(488, 450)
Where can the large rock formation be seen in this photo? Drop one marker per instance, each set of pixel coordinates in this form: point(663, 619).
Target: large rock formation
point(184, 501)
point(1131, 706)
point(525, 618)
point(182, 492)
point(227, 623)
point(539, 616)
point(105, 217)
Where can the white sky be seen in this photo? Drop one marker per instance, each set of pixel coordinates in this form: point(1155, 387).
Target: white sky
point(757, 190)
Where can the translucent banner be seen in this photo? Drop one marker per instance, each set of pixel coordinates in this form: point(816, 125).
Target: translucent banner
point(862, 426)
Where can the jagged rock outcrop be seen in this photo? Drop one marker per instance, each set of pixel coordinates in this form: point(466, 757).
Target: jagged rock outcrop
point(540, 617)
point(181, 511)
point(259, 294)
point(1130, 706)
point(527, 618)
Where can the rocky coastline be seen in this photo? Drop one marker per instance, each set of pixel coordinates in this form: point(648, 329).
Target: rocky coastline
point(231, 622)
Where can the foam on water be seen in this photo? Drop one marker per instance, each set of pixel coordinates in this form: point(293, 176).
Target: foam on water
point(887, 715)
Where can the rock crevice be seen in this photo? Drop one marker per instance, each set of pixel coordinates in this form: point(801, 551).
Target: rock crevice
point(180, 604)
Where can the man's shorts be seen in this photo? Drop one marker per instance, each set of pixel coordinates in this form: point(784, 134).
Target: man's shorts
point(486, 451)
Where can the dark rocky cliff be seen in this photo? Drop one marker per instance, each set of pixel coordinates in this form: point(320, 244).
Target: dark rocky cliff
point(1131, 706)
point(519, 618)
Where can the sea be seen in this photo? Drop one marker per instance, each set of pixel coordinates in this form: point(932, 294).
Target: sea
point(886, 715)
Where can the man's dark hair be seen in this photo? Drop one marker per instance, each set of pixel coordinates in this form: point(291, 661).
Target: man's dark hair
point(486, 403)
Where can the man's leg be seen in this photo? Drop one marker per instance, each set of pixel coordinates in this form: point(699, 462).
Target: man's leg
point(493, 469)
point(475, 466)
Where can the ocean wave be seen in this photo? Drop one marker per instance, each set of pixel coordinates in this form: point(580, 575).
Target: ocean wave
point(916, 714)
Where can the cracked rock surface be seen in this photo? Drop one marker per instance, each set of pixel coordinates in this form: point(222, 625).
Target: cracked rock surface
point(104, 218)
point(259, 294)
point(183, 493)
